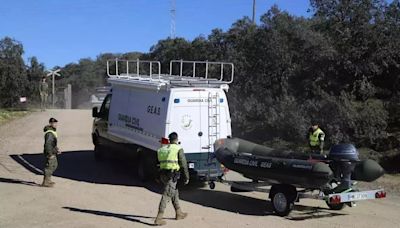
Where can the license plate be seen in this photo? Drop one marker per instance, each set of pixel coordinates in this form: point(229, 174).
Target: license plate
point(358, 196)
point(191, 165)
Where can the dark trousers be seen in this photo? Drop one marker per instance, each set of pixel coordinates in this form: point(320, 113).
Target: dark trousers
point(315, 149)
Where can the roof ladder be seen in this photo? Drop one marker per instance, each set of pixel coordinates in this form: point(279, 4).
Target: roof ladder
point(213, 119)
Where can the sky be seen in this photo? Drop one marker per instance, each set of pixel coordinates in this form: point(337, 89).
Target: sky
point(59, 32)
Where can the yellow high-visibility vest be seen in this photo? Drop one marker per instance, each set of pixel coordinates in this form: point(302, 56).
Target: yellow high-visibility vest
point(168, 157)
point(314, 137)
point(51, 131)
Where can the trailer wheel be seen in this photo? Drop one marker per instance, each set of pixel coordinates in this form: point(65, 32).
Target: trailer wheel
point(211, 184)
point(281, 203)
point(98, 152)
point(336, 207)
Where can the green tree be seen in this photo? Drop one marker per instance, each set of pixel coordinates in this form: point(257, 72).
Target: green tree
point(35, 72)
point(13, 79)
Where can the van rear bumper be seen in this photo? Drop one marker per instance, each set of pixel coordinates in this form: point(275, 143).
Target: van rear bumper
point(204, 166)
point(206, 175)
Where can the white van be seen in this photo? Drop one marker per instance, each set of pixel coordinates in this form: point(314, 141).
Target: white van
point(142, 109)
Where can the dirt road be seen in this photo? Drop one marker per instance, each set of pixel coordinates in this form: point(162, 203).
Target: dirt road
point(107, 194)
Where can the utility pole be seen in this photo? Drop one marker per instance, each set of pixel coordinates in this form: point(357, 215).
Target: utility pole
point(173, 18)
point(53, 73)
point(254, 12)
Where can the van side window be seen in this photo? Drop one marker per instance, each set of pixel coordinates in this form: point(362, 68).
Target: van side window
point(105, 107)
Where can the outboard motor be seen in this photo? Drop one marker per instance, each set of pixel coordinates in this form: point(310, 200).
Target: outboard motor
point(344, 159)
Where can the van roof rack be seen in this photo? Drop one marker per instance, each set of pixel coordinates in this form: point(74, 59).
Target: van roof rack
point(188, 73)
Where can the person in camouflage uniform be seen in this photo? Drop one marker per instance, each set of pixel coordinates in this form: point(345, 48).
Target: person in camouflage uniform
point(172, 161)
point(50, 152)
point(44, 92)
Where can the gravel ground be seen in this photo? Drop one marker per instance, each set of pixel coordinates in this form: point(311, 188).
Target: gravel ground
point(107, 194)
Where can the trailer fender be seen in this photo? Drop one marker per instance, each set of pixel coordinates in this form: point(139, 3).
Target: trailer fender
point(288, 189)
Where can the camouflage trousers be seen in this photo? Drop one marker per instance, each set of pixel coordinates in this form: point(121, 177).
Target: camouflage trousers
point(170, 191)
point(43, 100)
point(50, 165)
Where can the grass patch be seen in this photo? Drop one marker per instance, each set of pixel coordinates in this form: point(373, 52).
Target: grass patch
point(8, 115)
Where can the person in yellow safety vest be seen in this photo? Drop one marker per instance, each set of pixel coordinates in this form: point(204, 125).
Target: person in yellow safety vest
point(172, 161)
point(317, 138)
point(50, 152)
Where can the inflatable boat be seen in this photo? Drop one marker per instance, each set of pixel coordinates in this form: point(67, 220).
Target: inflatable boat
point(340, 167)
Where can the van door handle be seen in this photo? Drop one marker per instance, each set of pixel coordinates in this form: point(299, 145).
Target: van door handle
point(205, 147)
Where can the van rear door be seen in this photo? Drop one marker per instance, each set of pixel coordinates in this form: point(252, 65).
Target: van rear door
point(185, 119)
point(199, 116)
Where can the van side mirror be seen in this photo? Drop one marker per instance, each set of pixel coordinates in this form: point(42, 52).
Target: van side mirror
point(95, 112)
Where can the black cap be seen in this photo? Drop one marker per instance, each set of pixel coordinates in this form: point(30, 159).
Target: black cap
point(173, 136)
point(53, 120)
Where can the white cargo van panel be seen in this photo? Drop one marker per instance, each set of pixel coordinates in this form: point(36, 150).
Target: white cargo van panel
point(191, 114)
point(138, 115)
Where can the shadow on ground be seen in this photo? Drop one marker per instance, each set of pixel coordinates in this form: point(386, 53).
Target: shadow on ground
point(131, 218)
point(301, 213)
point(246, 205)
point(81, 166)
point(17, 181)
